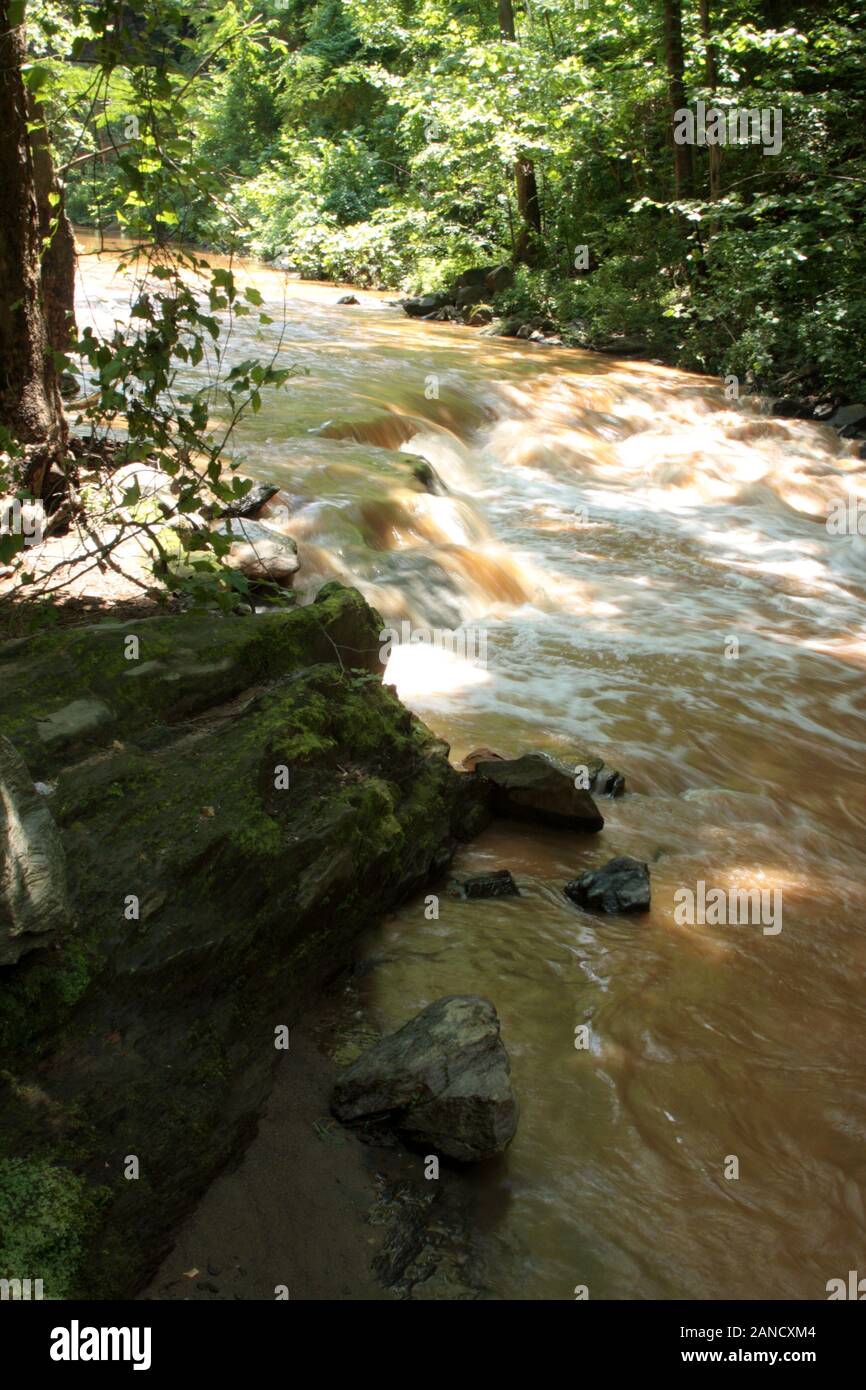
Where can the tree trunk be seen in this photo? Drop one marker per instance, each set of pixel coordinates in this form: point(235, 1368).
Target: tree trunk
point(712, 71)
point(30, 405)
point(673, 16)
point(58, 242)
point(526, 185)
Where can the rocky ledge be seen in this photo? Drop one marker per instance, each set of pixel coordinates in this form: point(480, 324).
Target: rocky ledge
point(217, 806)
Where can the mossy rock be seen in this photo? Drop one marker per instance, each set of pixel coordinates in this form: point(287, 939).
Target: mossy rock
point(258, 798)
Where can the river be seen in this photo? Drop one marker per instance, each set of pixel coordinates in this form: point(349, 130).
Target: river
point(650, 570)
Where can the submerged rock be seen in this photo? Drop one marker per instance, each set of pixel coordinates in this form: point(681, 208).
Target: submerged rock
point(442, 1080)
point(34, 900)
point(499, 883)
point(621, 885)
point(348, 299)
point(426, 475)
point(536, 787)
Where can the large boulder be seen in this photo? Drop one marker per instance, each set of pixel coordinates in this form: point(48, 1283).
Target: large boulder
point(850, 421)
point(469, 296)
point(621, 885)
point(34, 901)
point(422, 305)
point(81, 689)
point(442, 1081)
point(600, 779)
point(501, 277)
point(475, 276)
point(257, 800)
point(536, 787)
point(791, 408)
point(491, 278)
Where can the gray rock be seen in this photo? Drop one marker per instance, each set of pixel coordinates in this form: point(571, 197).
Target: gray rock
point(475, 276)
point(304, 871)
point(607, 782)
point(621, 885)
point(469, 295)
point(74, 723)
point(251, 502)
point(260, 552)
point(492, 278)
point(603, 780)
point(34, 905)
point(847, 416)
point(422, 305)
point(620, 345)
point(578, 333)
point(538, 788)
point(500, 278)
point(497, 884)
point(791, 408)
point(442, 1080)
point(447, 314)
point(348, 299)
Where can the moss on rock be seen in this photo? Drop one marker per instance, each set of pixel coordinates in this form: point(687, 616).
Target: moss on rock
point(210, 896)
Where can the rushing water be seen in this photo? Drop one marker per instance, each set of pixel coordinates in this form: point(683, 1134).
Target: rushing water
point(610, 528)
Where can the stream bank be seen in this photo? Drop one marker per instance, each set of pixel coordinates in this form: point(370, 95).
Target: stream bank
point(310, 1212)
point(198, 895)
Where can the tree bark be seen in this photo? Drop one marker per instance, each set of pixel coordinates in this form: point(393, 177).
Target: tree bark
point(712, 75)
point(30, 404)
point(525, 182)
point(58, 242)
point(673, 19)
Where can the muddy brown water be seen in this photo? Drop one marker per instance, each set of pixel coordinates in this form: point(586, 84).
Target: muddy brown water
point(650, 571)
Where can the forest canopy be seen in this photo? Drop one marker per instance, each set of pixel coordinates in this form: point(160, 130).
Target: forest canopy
point(377, 142)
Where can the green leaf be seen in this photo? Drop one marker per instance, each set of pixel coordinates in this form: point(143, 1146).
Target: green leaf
point(35, 76)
